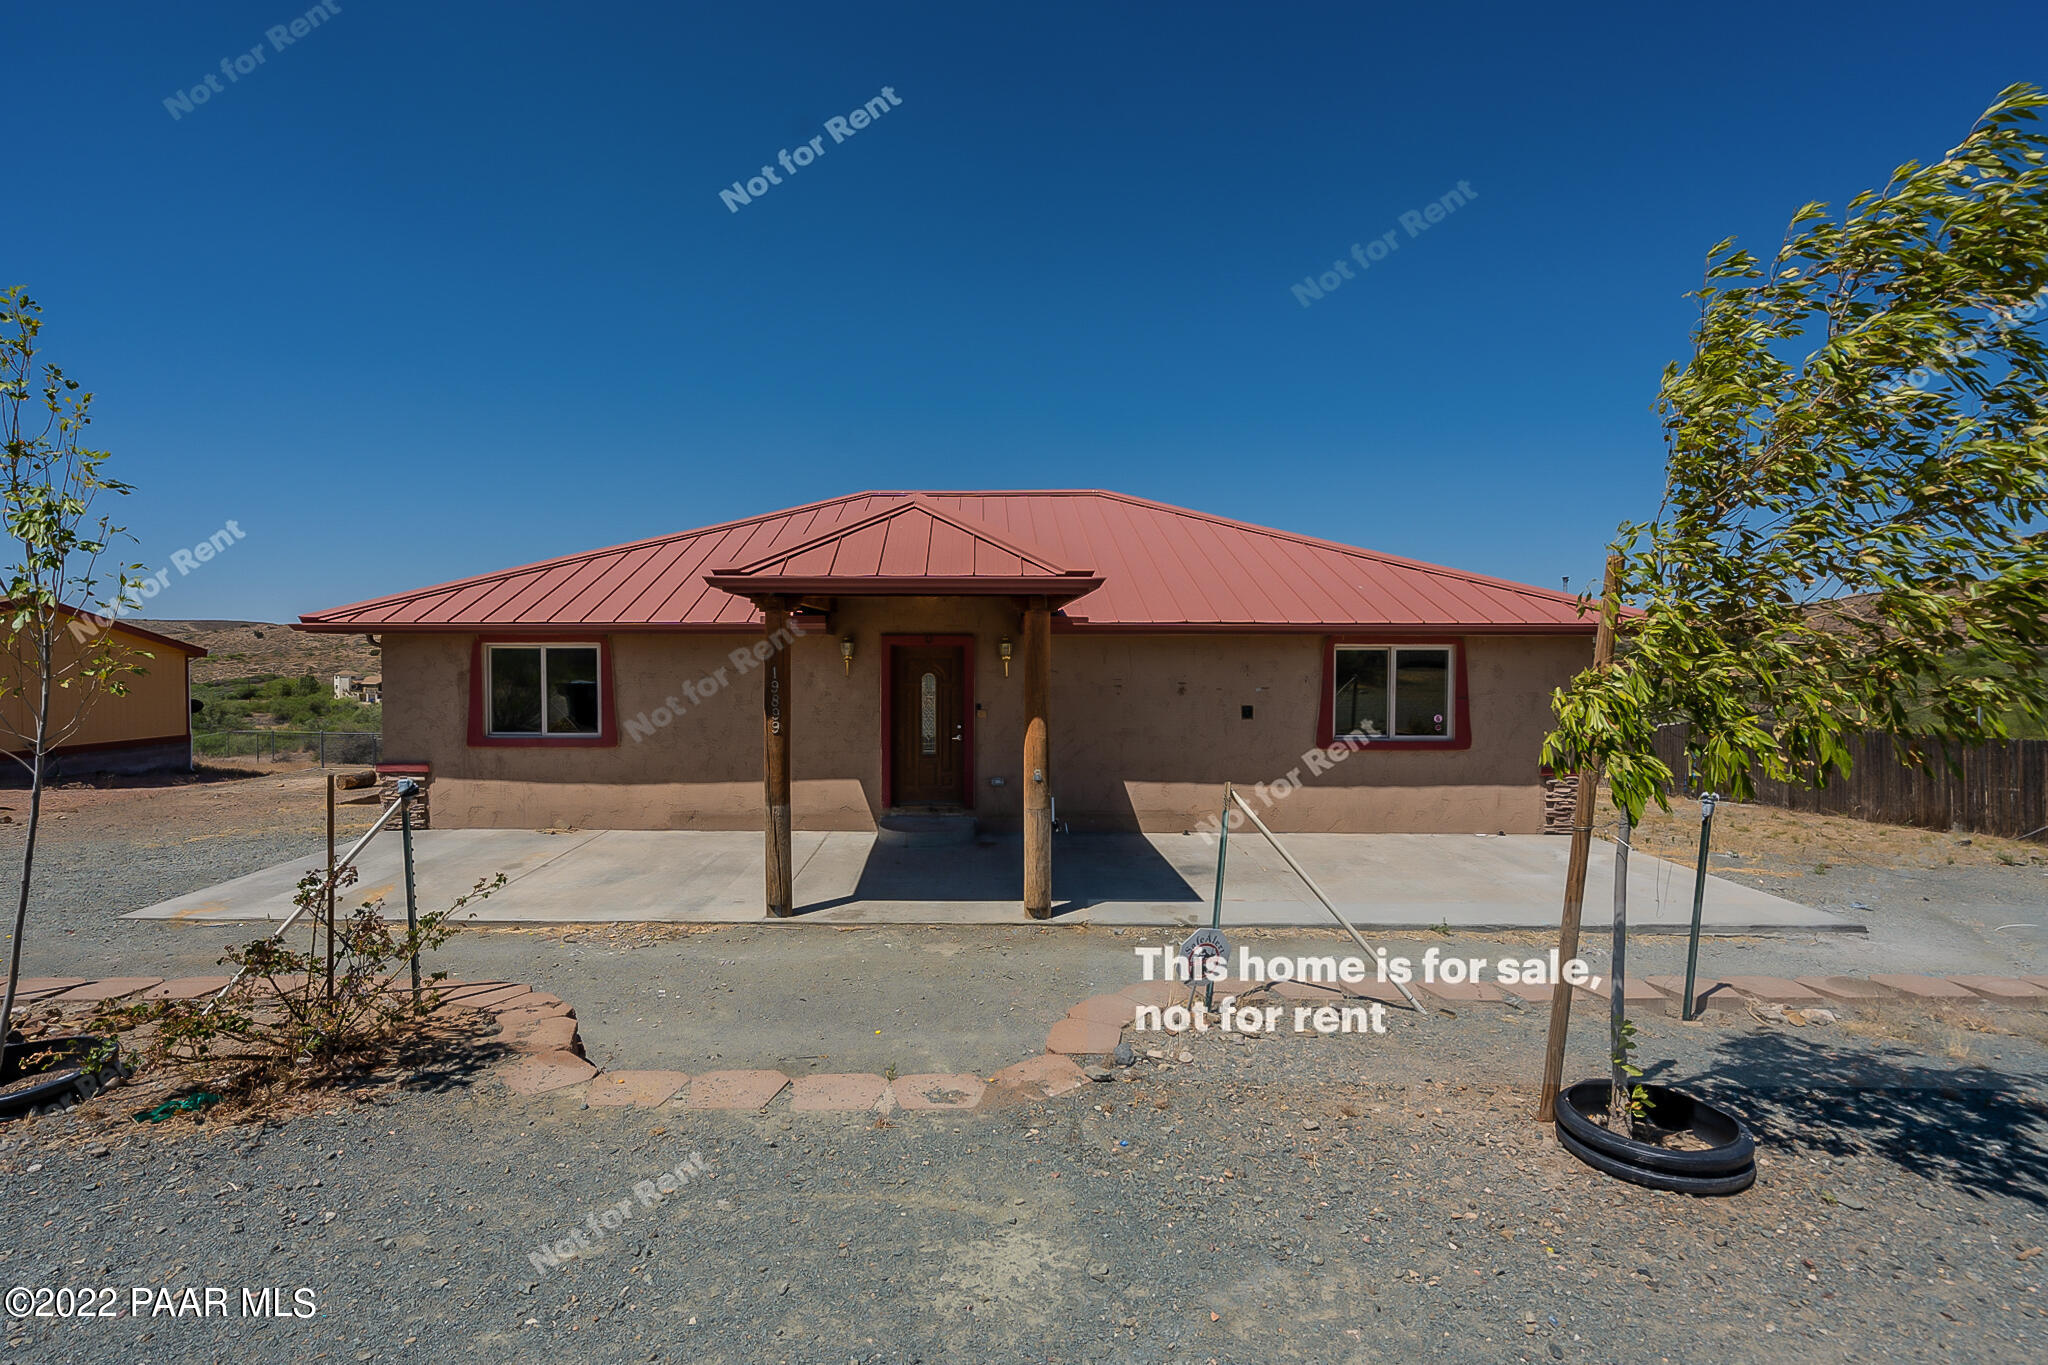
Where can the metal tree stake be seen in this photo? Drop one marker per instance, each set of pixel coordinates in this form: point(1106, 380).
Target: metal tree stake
point(1618, 1113)
point(1699, 900)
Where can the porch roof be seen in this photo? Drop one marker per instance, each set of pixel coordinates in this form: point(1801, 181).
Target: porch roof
point(913, 547)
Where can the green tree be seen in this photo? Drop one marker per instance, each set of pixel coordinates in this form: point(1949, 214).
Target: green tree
point(1857, 469)
point(57, 662)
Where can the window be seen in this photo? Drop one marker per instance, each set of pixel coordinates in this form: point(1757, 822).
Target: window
point(1401, 692)
point(540, 691)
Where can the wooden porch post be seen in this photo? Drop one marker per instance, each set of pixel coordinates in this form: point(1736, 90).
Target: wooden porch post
point(775, 714)
point(1037, 759)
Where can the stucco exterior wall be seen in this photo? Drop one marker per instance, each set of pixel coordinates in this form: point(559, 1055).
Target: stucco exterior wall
point(1145, 730)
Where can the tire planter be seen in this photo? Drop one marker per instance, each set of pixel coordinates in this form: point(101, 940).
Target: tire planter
point(57, 1064)
point(1726, 1165)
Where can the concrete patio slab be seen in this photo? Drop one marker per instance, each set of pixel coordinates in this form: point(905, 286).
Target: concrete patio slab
point(446, 863)
point(1381, 881)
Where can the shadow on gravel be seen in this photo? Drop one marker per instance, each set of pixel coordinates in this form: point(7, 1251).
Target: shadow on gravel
point(1970, 1127)
point(454, 1066)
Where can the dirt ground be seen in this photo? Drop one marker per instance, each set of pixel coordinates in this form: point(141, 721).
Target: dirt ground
point(1764, 841)
point(226, 797)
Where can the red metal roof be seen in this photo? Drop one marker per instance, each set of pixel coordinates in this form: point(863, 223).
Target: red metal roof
point(1161, 568)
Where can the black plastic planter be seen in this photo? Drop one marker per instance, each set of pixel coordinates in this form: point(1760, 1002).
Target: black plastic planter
point(1725, 1165)
point(58, 1067)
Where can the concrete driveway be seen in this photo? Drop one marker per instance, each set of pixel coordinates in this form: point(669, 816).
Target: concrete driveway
point(1388, 881)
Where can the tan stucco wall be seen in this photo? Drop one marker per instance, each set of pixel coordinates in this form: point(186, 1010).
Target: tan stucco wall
point(1145, 730)
point(155, 704)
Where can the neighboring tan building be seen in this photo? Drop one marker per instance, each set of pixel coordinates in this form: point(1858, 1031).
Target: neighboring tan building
point(146, 729)
point(632, 687)
point(348, 687)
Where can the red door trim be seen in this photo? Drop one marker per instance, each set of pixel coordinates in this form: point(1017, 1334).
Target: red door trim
point(889, 646)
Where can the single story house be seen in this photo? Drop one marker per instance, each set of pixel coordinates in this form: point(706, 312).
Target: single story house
point(1084, 657)
point(148, 728)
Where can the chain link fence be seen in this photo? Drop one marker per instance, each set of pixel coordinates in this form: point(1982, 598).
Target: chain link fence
point(328, 748)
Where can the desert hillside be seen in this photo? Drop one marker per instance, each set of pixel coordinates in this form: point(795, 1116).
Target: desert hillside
point(241, 649)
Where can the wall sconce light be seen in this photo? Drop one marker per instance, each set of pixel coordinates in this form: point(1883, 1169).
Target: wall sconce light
point(1003, 652)
point(846, 653)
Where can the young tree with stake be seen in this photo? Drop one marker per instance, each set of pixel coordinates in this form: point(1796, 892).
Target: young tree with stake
point(55, 662)
point(1856, 481)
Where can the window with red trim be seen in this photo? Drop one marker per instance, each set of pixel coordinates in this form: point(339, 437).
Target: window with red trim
point(1394, 693)
point(551, 691)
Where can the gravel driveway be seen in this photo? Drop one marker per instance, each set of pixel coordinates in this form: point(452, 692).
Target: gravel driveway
point(1293, 1198)
point(1297, 1198)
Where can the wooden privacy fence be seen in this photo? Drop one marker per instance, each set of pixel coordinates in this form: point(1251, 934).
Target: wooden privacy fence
point(1997, 788)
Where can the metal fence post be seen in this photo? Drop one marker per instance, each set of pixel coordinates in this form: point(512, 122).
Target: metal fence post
point(1222, 855)
point(323, 748)
point(412, 918)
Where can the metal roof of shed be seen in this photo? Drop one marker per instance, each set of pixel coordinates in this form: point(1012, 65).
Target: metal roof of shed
point(1161, 568)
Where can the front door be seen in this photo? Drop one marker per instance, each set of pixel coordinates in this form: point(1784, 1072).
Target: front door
point(927, 716)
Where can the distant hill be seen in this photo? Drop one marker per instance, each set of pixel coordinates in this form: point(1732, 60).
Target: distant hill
point(242, 649)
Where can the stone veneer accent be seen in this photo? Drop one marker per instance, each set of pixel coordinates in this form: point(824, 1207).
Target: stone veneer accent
point(387, 792)
point(1560, 801)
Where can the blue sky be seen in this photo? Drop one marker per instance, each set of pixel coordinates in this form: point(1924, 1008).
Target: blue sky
point(434, 290)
